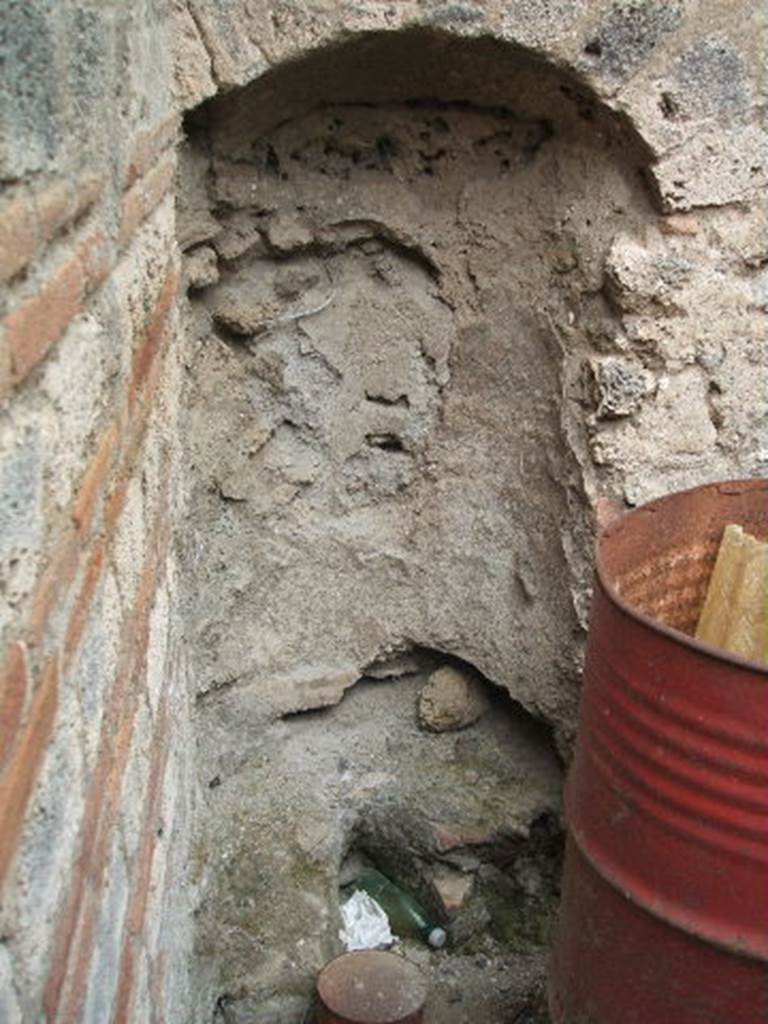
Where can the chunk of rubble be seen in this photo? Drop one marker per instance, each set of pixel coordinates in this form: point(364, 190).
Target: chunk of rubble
point(452, 699)
point(201, 267)
point(452, 887)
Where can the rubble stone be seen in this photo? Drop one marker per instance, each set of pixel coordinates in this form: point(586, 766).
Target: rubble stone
point(200, 267)
point(621, 387)
point(453, 888)
point(452, 699)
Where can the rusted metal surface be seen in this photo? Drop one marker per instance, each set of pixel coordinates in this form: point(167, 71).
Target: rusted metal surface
point(664, 918)
point(370, 987)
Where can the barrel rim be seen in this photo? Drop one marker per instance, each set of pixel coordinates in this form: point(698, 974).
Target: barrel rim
point(623, 521)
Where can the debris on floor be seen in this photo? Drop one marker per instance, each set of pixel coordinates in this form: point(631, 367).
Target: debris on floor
point(466, 824)
point(402, 910)
point(365, 925)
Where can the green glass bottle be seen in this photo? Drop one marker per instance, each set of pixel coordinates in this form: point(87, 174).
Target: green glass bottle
point(407, 917)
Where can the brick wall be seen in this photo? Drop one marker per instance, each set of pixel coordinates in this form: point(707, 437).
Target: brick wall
point(94, 785)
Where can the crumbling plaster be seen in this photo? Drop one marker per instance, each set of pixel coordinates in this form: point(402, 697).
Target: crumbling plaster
point(590, 307)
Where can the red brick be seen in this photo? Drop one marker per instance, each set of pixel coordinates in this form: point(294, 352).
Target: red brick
point(13, 695)
point(75, 931)
point(18, 235)
point(5, 367)
point(74, 976)
point(28, 221)
point(142, 871)
point(133, 440)
point(18, 781)
point(144, 195)
point(153, 336)
point(62, 203)
point(158, 181)
point(38, 323)
point(126, 992)
point(92, 484)
point(157, 969)
point(79, 618)
point(61, 572)
point(66, 989)
point(88, 191)
point(142, 874)
point(115, 505)
point(95, 254)
point(143, 400)
point(58, 577)
point(53, 205)
point(148, 146)
point(131, 213)
point(76, 926)
point(54, 584)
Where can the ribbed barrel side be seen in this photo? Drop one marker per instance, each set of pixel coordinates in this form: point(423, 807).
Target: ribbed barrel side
point(665, 909)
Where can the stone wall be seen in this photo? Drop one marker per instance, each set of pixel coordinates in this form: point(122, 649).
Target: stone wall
point(439, 313)
point(651, 377)
point(94, 738)
point(388, 346)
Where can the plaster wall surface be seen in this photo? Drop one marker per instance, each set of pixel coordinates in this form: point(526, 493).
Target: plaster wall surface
point(442, 298)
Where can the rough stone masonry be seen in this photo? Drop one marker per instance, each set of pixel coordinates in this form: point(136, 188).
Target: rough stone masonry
point(325, 328)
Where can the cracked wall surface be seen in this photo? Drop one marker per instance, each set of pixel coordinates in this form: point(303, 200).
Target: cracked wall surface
point(387, 334)
point(434, 330)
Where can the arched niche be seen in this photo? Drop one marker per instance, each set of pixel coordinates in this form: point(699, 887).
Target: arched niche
point(395, 252)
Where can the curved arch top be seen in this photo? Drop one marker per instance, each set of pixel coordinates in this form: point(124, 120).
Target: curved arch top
point(421, 64)
point(682, 80)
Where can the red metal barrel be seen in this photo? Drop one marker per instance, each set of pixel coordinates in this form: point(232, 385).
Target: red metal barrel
point(664, 917)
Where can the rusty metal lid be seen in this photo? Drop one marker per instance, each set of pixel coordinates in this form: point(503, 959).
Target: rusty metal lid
point(372, 987)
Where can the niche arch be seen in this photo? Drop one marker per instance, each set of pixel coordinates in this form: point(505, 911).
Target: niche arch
point(395, 250)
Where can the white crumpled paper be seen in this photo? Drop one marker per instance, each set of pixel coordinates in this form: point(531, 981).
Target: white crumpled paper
point(366, 926)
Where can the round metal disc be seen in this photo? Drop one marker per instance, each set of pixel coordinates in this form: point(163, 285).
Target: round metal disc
point(372, 987)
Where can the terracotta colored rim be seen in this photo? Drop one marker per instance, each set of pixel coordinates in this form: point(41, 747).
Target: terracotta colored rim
point(399, 977)
point(700, 646)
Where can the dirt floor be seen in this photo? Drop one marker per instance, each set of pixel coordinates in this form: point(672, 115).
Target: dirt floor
point(468, 820)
